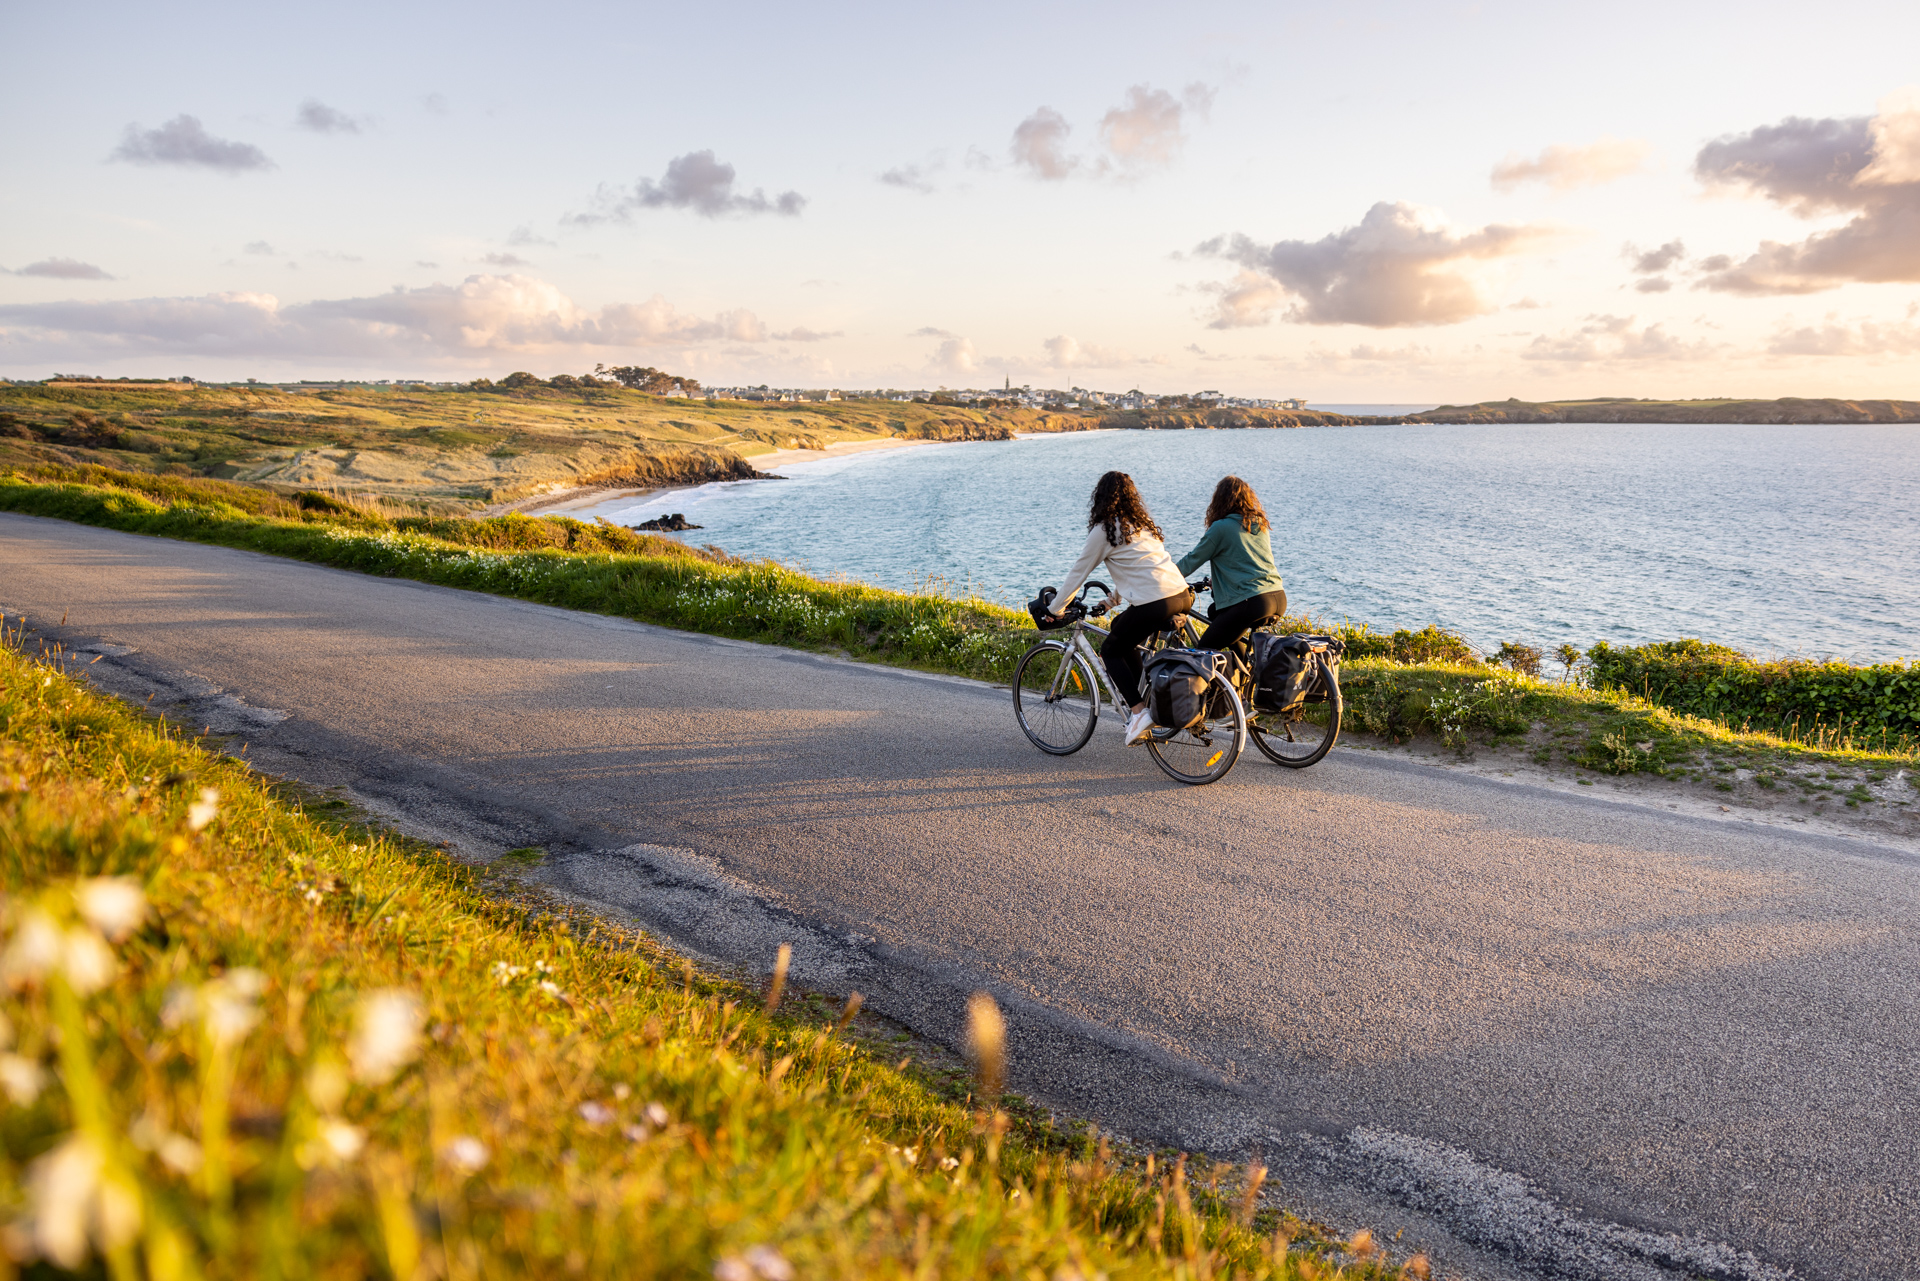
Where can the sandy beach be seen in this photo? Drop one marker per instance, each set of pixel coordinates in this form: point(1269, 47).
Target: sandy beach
point(582, 499)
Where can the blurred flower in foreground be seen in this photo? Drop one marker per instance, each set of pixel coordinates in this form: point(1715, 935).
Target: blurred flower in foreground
point(72, 1203)
point(228, 1006)
point(34, 949)
point(204, 810)
point(114, 905)
point(761, 1263)
point(465, 1154)
point(22, 1079)
point(386, 1035)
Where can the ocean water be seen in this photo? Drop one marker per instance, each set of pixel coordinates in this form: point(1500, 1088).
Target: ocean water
point(1777, 540)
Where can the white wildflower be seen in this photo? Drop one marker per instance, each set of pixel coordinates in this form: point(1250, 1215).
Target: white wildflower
point(552, 989)
point(656, 1115)
point(114, 905)
point(87, 962)
point(22, 1079)
point(769, 1263)
point(949, 1162)
point(180, 1005)
point(71, 1204)
point(386, 1035)
point(342, 1142)
point(228, 1006)
point(33, 950)
point(204, 810)
point(465, 1154)
point(180, 1153)
point(595, 1113)
point(622, 1091)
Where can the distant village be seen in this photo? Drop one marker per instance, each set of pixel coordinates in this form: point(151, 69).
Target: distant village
point(680, 388)
point(1010, 396)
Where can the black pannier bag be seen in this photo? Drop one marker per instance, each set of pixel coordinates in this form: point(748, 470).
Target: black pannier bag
point(1177, 684)
point(1284, 675)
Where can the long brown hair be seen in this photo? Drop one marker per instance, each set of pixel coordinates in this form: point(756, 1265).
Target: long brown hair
point(1235, 497)
point(1117, 505)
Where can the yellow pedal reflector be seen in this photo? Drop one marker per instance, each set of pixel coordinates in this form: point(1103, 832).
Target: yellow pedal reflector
point(1212, 760)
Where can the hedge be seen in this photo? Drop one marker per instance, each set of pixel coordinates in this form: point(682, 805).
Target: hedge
point(1797, 698)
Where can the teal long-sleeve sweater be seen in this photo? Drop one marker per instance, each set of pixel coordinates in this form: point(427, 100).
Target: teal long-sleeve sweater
point(1242, 563)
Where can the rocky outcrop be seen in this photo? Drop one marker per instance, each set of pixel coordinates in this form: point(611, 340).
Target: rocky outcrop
point(954, 428)
point(674, 524)
point(678, 467)
point(1788, 410)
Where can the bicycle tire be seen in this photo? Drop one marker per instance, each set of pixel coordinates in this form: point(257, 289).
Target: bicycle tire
point(1061, 727)
point(1198, 756)
point(1304, 736)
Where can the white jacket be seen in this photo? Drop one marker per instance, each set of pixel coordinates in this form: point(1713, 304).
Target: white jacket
point(1141, 569)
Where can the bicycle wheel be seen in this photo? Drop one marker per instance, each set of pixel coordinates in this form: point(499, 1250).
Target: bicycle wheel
point(1303, 736)
point(1203, 753)
point(1057, 724)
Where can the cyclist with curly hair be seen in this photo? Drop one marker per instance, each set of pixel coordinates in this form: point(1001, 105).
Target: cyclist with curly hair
point(1122, 536)
point(1247, 589)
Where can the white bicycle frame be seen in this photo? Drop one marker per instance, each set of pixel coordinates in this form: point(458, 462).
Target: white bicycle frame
point(1078, 646)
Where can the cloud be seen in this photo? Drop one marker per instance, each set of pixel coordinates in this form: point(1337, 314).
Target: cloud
point(1525, 304)
point(1653, 261)
point(1615, 339)
point(928, 331)
point(62, 269)
point(801, 333)
point(422, 262)
point(956, 356)
point(1564, 168)
point(525, 235)
point(1867, 338)
point(1402, 265)
point(259, 247)
point(1866, 166)
point(446, 323)
point(1068, 353)
point(318, 117)
point(503, 260)
point(695, 181)
point(909, 178)
point(1145, 132)
point(1653, 285)
point(183, 141)
point(1039, 144)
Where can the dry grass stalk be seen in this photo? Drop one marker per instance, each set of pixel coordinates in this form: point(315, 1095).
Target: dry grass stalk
point(987, 1044)
point(780, 962)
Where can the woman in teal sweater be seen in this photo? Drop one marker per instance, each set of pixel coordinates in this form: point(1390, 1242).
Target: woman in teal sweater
point(1247, 590)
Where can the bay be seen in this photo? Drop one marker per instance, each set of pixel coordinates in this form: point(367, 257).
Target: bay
point(1777, 540)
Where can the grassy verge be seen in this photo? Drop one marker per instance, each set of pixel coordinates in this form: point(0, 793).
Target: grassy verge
point(1609, 731)
point(244, 1039)
point(1398, 685)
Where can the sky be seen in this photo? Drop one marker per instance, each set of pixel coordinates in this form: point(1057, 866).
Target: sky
point(1358, 203)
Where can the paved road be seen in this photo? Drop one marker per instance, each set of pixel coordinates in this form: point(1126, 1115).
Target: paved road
point(1549, 1036)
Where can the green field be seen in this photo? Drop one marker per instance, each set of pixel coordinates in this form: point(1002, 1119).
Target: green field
point(1618, 409)
point(447, 450)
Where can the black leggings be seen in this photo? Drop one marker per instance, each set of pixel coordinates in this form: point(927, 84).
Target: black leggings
point(1121, 649)
point(1228, 625)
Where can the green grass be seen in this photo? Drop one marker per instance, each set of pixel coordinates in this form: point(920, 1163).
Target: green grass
point(450, 450)
point(325, 1051)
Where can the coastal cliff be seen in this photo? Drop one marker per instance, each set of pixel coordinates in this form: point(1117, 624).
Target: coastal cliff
point(1789, 409)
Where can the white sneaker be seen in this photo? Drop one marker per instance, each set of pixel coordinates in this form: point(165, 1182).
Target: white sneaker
point(1139, 727)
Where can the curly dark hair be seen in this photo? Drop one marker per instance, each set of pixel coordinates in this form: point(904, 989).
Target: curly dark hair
point(1117, 505)
point(1235, 497)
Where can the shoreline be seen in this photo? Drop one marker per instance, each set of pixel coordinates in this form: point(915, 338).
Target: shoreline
point(571, 499)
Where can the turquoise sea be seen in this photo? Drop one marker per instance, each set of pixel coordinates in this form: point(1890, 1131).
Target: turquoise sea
point(1777, 540)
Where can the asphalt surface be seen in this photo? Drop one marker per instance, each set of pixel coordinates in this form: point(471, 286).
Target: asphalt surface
point(1544, 1036)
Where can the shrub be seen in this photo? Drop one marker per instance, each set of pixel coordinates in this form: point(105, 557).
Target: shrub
point(1828, 703)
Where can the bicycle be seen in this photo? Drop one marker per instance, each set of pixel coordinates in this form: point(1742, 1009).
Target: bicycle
point(1298, 735)
point(1057, 686)
point(1058, 683)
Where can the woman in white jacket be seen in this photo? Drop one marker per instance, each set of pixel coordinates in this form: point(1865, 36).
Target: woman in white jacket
point(1122, 536)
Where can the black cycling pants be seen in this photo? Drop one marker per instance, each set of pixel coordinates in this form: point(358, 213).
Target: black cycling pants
point(1228, 625)
point(1120, 651)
